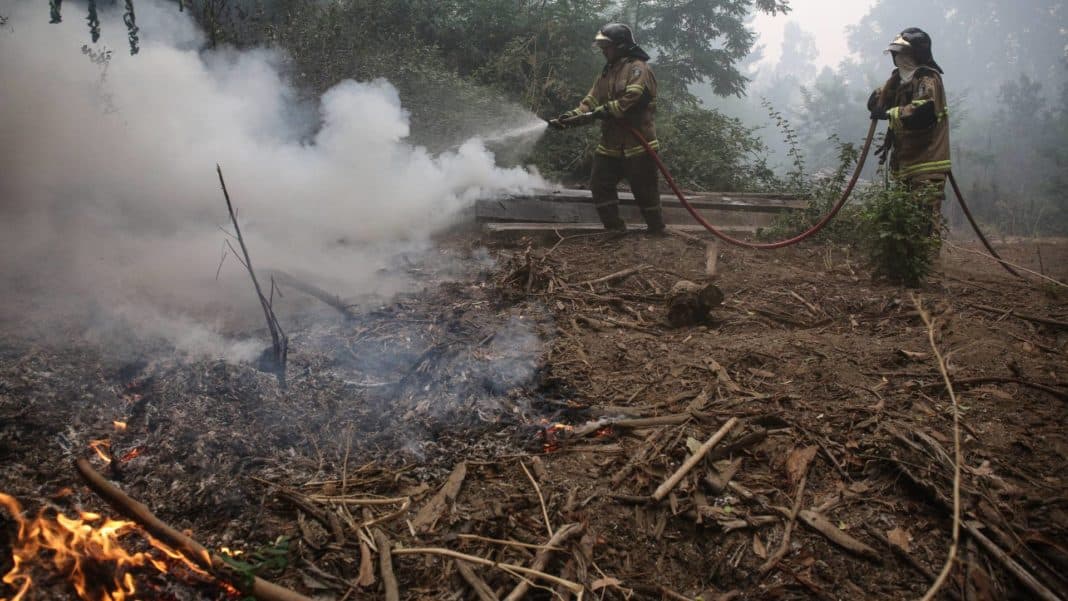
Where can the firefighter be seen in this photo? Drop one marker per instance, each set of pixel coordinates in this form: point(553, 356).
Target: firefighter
point(624, 93)
point(914, 102)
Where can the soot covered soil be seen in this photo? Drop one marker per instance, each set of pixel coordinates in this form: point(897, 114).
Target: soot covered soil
point(427, 420)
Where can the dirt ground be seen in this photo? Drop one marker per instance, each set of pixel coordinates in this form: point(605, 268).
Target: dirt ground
point(527, 394)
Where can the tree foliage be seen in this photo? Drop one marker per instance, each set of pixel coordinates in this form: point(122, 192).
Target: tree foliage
point(463, 65)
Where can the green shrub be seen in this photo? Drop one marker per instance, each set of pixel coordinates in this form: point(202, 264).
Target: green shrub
point(897, 234)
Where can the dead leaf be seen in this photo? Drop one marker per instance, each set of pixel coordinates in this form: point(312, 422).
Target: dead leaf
point(604, 582)
point(314, 584)
point(692, 444)
point(900, 538)
point(914, 355)
point(860, 487)
point(797, 462)
point(761, 373)
point(758, 547)
point(995, 392)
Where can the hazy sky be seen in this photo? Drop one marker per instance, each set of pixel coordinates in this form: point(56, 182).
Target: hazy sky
point(826, 19)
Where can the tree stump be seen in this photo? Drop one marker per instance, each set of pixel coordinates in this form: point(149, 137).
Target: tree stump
point(689, 303)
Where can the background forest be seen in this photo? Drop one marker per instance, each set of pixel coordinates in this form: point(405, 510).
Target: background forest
point(483, 66)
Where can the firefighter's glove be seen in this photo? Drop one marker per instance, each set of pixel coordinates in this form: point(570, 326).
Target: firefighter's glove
point(873, 100)
point(600, 113)
point(880, 115)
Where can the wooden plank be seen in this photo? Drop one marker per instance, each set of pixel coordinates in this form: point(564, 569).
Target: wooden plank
point(724, 201)
point(540, 211)
point(591, 227)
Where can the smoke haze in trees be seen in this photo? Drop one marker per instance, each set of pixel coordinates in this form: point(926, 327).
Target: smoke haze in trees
point(109, 203)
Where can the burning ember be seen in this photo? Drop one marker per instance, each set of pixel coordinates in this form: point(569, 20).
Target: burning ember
point(550, 435)
point(603, 432)
point(85, 550)
point(131, 454)
point(119, 426)
point(102, 448)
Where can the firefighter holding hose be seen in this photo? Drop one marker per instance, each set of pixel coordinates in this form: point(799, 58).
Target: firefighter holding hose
point(913, 100)
point(623, 97)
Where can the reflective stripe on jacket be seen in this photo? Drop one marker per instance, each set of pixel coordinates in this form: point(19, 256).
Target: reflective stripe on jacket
point(626, 89)
point(919, 122)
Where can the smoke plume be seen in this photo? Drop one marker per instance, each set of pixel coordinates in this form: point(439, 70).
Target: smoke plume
point(109, 203)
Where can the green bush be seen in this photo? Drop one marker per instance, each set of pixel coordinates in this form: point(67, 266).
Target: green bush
point(897, 234)
point(706, 150)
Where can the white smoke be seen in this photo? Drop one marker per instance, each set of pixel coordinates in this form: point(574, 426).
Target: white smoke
point(108, 191)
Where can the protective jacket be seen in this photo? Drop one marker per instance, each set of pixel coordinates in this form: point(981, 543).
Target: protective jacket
point(919, 123)
point(626, 89)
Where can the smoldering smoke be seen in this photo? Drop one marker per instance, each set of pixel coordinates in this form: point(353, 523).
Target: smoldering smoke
point(108, 197)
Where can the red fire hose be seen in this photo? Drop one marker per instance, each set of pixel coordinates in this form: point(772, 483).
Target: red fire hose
point(825, 219)
point(767, 245)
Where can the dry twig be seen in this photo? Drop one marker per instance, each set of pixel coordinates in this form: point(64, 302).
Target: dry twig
point(665, 488)
point(541, 499)
point(574, 587)
point(279, 342)
point(792, 519)
point(1004, 262)
point(944, 574)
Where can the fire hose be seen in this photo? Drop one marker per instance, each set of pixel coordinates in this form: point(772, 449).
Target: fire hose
point(819, 225)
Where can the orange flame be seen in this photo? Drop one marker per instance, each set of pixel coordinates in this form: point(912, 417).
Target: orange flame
point(550, 435)
point(80, 547)
point(131, 454)
point(119, 426)
point(102, 448)
point(603, 432)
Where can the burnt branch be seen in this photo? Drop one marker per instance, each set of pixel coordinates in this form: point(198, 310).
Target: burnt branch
point(279, 342)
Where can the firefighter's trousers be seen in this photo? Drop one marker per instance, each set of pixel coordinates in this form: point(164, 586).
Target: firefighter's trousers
point(641, 173)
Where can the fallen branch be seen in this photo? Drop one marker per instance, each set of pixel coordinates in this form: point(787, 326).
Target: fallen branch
point(1024, 316)
point(484, 592)
point(665, 488)
point(603, 322)
point(830, 530)
point(616, 276)
point(944, 574)
point(313, 291)
point(429, 514)
point(541, 558)
point(1004, 262)
point(1025, 577)
point(1061, 394)
point(385, 566)
point(189, 548)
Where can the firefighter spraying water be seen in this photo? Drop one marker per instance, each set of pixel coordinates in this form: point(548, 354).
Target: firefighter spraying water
point(913, 101)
